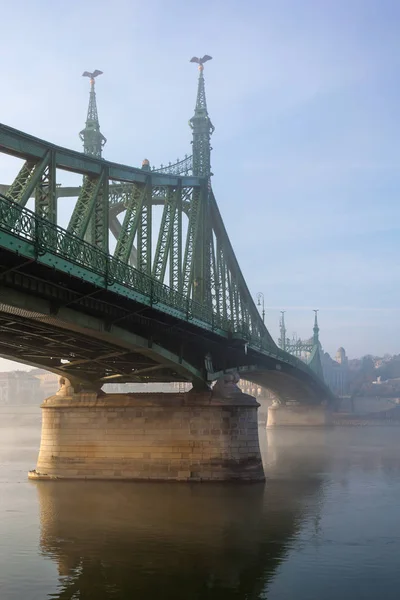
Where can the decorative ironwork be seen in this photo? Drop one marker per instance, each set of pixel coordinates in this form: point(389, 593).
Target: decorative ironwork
point(309, 351)
point(206, 285)
point(25, 225)
point(181, 167)
point(134, 198)
point(85, 206)
point(92, 138)
point(202, 128)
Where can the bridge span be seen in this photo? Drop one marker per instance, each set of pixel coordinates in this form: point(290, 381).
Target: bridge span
point(165, 301)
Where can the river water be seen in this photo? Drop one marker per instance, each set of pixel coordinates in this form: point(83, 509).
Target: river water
point(326, 525)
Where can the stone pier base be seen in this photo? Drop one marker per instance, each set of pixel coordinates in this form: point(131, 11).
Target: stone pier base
point(298, 416)
point(184, 437)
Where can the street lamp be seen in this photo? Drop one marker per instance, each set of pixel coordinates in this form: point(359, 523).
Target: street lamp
point(260, 297)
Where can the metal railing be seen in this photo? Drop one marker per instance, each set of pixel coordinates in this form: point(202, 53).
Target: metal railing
point(181, 167)
point(45, 237)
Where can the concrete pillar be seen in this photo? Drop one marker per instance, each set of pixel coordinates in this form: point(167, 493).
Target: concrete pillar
point(298, 415)
point(186, 437)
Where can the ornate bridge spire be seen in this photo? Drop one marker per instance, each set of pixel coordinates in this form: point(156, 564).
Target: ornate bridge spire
point(316, 329)
point(201, 126)
point(93, 140)
point(282, 329)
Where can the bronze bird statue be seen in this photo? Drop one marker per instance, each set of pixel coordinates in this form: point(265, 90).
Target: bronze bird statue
point(92, 75)
point(201, 61)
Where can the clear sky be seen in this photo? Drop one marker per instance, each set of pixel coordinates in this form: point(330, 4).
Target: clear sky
point(305, 98)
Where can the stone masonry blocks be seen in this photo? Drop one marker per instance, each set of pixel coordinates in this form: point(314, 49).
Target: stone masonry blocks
point(185, 437)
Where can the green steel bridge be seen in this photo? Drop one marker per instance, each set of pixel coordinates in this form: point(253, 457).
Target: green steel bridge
point(167, 307)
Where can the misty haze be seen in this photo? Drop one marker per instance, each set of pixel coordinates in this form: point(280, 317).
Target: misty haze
point(199, 292)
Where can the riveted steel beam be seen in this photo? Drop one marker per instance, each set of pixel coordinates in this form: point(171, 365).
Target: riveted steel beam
point(175, 255)
point(194, 225)
point(165, 237)
point(100, 215)
point(29, 176)
point(134, 200)
point(45, 192)
point(85, 205)
point(145, 231)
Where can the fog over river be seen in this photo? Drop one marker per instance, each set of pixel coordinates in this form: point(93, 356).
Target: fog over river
point(325, 525)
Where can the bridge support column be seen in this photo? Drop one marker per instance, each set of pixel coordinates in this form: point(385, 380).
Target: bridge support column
point(186, 437)
point(298, 415)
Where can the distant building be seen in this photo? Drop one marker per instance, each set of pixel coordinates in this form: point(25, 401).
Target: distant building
point(336, 372)
point(341, 357)
point(27, 387)
point(48, 382)
point(19, 387)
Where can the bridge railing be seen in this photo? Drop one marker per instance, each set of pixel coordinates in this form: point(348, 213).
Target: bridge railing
point(46, 237)
point(181, 167)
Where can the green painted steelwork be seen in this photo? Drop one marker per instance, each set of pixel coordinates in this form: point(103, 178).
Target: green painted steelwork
point(21, 190)
point(92, 357)
point(134, 199)
point(173, 198)
point(144, 230)
point(91, 211)
point(191, 240)
point(92, 138)
point(45, 190)
point(37, 179)
point(309, 350)
point(36, 238)
point(180, 167)
point(99, 223)
point(194, 278)
point(85, 205)
point(202, 130)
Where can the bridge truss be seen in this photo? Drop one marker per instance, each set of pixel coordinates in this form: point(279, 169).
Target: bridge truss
point(184, 269)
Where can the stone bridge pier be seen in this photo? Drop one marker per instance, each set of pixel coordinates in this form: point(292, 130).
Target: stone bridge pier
point(298, 415)
point(198, 436)
point(295, 402)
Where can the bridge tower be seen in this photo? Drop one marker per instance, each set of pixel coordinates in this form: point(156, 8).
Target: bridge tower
point(315, 362)
point(282, 329)
point(92, 138)
point(316, 329)
point(202, 129)
point(201, 125)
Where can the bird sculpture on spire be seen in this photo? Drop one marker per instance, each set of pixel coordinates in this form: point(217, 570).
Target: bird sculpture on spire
point(200, 61)
point(92, 76)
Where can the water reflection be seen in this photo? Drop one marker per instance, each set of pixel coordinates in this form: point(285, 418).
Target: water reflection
point(124, 540)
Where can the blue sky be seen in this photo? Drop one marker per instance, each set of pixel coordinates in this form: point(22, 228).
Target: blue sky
point(305, 99)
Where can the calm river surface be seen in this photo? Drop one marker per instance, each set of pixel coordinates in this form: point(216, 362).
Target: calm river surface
point(326, 525)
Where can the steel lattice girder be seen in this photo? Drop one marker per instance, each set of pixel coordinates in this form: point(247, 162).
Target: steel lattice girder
point(99, 222)
point(134, 203)
point(145, 231)
point(85, 205)
point(89, 360)
point(208, 274)
point(166, 232)
point(190, 255)
point(45, 191)
point(175, 253)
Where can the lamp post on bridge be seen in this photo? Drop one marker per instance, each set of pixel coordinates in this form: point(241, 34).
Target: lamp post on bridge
point(260, 302)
